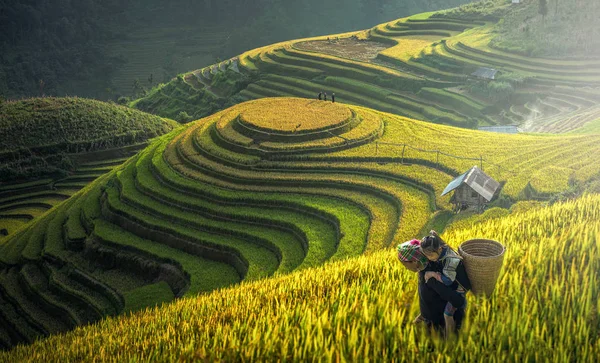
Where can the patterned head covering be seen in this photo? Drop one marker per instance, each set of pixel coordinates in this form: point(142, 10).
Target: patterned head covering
point(410, 252)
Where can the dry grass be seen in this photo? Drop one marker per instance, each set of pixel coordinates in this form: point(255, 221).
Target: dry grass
point(294, 114)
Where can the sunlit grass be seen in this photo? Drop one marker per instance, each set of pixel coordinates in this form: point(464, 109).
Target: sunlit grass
point(409, 48)
point(293, 115)
point(544, 308)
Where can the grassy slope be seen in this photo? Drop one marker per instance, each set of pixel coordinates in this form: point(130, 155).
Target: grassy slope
point(55, 121)
point(568, 29)
point(173, 184)
point(362, 308)
point(428, 51)
point(536, 151)
point(42, 141)
point(37, 134)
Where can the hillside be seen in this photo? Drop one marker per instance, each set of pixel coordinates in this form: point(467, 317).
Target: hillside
point(23, 201)
point(419, 67)
point(36, 133)
point(264, 188)
point(52, 147)
point(564, 29)
point(544, 308)
point(106, 49)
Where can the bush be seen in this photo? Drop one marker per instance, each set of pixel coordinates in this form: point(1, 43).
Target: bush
point(500, 91)
point(496, 91)
point(184, 117)
point(123, 100)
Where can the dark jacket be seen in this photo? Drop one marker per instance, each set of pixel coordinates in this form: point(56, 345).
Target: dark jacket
point(434, 295)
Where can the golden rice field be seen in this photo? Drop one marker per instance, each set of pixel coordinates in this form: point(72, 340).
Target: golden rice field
point(408, 48)
point(545, 308)
point(510, 158)
point(289, 115)
point(231, 198)
point(268, 228)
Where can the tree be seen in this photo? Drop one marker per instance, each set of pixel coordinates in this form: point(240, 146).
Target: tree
point(137, 87)
point(184, 117)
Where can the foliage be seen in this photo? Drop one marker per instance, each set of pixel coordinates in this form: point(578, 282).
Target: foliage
point(482, 10)
point(556, 28)
point(551, 178)
point(543, 8)
point(123, 100)
point(467, 220)
point(514, 79)
point(496, 91)
point(44, 45)
point(526, 205)
point(347, 311)
point(36, 135)
point(76, 48)
point(183, 117)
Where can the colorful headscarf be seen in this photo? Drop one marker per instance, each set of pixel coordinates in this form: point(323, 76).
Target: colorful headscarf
point(410, 252)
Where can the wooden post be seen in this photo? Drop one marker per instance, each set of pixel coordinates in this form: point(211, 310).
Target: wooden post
point(376, 147)
point(403, 148)
point(481, 161)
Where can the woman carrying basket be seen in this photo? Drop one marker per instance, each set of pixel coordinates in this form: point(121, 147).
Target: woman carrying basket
point(447, 268)
point(433, 294)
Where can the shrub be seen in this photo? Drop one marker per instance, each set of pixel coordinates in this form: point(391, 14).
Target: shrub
point(183, 117)
point(497, 91)
point(500, 91)
point(123, 100)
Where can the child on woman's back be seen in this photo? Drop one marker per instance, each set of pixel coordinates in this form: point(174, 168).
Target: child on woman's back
point(453, 272)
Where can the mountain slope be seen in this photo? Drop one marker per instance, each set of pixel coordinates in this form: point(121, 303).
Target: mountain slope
point(43, 128)
point(420, 67)
point(52, 147)
point(264, 188)
point(106, 49)
point(362, 308)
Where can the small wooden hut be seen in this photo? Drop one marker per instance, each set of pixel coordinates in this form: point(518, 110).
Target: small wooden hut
point(485, 73)
point(473, 189)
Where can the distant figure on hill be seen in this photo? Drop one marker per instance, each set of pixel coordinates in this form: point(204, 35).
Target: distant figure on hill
point(325, 95)
point(320, 95)
point(333, 97)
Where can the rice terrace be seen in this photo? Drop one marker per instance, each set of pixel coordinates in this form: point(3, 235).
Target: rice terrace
point(423, 190)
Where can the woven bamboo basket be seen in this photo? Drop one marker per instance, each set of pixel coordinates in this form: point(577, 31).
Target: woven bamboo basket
point(483, 260)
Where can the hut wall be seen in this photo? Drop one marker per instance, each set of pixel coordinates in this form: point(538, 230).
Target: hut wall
point(466, 195)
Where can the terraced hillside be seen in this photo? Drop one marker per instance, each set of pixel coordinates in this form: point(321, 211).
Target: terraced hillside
point(261, 189)
point(153, 51)
point(361, 308)
point(418, 67)
point(52, 147)
point(22, 202)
